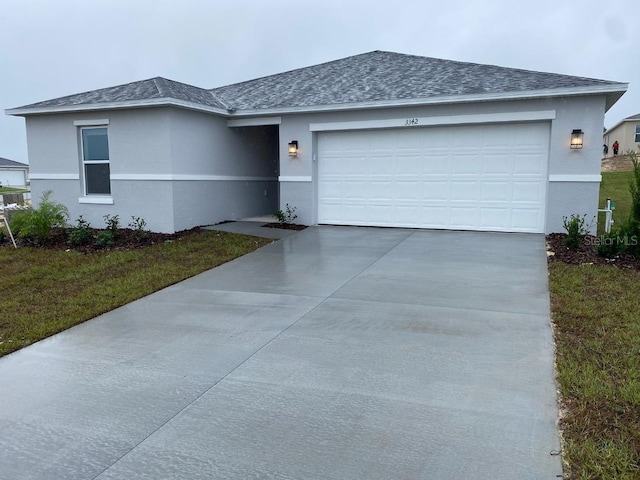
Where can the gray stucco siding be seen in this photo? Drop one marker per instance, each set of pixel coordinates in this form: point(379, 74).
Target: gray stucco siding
point(210, 202)
point(151, 201)
point(162, 161)
point(204, 144)
point(572, 198)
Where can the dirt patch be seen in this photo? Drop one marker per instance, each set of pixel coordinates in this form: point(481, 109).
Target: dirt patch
point(285, 226)
point(619, 163)
point(586, 254)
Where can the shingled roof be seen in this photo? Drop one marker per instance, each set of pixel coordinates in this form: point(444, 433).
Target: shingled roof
point(384, 76)
point(373, 77)
point(5, 162)
point(153, 88)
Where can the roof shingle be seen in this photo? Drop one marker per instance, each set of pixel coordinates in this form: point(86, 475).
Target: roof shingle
point(369, 77)
point(5, 162)
point(382, 75)
point(153, 88)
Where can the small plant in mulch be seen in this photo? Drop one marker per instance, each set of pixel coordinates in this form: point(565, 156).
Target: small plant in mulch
point(577, 228)
point(81, 233)
point(286, 218)
point(138, 227)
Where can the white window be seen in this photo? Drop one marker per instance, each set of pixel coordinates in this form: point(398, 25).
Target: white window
point(637, 140)
point(95, 161)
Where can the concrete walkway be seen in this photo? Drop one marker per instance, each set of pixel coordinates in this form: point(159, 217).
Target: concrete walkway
point(336, 353)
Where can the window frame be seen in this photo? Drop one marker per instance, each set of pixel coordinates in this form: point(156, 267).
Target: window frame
point(637, 136)
point(84, 163)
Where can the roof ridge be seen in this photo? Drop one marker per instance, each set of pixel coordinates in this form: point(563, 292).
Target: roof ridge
point(161, 88)
point(218, 99)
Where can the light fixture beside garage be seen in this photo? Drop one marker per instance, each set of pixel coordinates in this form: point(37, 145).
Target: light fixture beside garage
point(576, 139)
point(293, 148)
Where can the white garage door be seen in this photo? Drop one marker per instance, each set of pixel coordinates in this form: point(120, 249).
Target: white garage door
point(488, 177)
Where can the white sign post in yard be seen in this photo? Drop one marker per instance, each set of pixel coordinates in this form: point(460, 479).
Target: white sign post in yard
point(608, 215)
point(4, 219)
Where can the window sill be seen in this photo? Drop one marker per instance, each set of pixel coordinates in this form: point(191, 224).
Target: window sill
point(96, 200)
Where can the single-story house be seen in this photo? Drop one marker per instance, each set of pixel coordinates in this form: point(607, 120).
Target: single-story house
point(13, 174)
point(381, 139)
point(626, 132)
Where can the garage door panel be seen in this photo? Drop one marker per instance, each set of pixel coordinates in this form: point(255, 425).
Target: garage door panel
point(497, 191)
point(380, 166)
point(492, 218)
point(531, 135)
point(497, 164)
point(464, 217)
point(527, 192)
point(466, 164)
point(381, 190)
point(490, 177)
point(529, 164)
point(354, 191)
point(523, 217)
point(465, 191)
point(332, 190)
point(436, 216)
point(410, 190)
point(436, 191)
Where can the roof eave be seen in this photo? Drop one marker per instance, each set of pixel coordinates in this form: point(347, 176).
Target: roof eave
point(612, 92)
point(156, 102)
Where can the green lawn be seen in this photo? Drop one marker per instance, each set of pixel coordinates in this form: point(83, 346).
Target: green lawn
point(615, 185)
point(596, 314)
point(46, 291)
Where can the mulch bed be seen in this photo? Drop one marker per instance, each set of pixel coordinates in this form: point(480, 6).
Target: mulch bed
point(126, 240)
point(586, 254)
point(285, 226)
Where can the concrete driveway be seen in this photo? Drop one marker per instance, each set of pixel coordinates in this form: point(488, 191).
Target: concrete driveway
point(336, 353)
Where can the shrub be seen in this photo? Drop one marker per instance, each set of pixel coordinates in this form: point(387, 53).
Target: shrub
point(36, 224)
point(112, 224)
point(105, 239)
point(287, 216)
point(81, 234)
point(576, 227)
point(609, 244)
point(634, 187)
point(3, 235)
point(138, 225)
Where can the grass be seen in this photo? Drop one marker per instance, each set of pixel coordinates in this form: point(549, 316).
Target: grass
point(12, 190)
point(596, 314)
point(46, 291)
point(615, 185)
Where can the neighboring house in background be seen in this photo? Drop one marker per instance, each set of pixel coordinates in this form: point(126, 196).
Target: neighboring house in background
point(13, 174)
point(626, 132)
point(380, 139)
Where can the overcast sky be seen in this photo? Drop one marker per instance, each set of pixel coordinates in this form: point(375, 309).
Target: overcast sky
point(51, 48)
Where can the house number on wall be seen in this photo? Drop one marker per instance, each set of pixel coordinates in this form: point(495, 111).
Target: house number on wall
point(410, 121)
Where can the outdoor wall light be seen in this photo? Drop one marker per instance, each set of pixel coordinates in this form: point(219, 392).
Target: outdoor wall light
point(576, 139)
point(293, 148)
